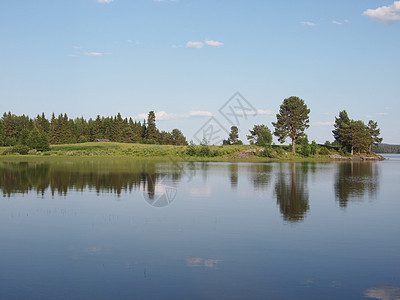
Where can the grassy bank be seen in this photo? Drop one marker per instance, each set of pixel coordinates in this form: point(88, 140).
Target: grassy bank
point(167, 152)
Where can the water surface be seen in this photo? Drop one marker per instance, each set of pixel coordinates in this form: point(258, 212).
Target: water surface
point(121, 230)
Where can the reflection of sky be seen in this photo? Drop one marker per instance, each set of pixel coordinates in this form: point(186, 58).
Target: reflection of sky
point(200, 262)
point(233, 241)
point(383, 292)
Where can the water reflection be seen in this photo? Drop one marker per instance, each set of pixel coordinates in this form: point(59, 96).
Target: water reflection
point(383, 292)
point(291, 192)
point(261, 176)
point(22, 177)
point(233, 169)
point(354, 180)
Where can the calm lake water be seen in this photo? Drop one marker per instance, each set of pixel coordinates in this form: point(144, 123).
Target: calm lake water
point(106, 229)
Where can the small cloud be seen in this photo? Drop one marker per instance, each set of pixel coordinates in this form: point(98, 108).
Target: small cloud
point(196, 45)
point(306, 23)
point(200, 113)
point(72, 55)
point(214, 43)
point(322, 123)
point(262, 112)
point(95, 53)
point(336, 22)
point(384, 14)
point(382, 114)
point(77, 47)
point(104, 1)
point(163, 115)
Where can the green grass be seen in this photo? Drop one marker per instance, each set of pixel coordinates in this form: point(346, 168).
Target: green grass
point(162, 152)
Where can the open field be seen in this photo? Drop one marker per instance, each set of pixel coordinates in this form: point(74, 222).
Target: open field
point(166, 152)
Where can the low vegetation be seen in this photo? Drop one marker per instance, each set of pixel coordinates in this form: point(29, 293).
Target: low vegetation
point(115, 136)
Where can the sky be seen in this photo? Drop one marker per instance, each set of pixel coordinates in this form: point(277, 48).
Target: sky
point(186, 59)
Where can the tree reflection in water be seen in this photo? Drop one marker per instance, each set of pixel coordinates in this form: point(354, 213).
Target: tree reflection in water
point(61, 177)
point(291, 192)
point(354, 180)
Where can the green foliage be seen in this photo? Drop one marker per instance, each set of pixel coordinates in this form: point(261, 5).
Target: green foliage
point(292, 120)
point(260, 135)
point(191, 149)
point(151, 130)
point(305, 147)
point(234, 137)
point(63, 130)
point(20, 149)
point(268, 152)
point(38, 140)
point(177, 137)
point(374, 133)
point(313, 148)
point(355, 135)
point(386, 148)
point(343, 152)
point(324, 151)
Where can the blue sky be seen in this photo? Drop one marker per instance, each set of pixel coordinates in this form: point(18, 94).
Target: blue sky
point(185, 58)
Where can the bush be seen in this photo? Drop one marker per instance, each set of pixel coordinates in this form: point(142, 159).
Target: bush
point(343, 152)
point(82, 139)
point(204, 150)
point(305, 147)
point(313, 148)
point(324, 151)
point(268, 152)
point(191, 149)
point(20, 149)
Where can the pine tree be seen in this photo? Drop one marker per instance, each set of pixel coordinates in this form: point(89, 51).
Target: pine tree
point(292, 120)
point(374, 133)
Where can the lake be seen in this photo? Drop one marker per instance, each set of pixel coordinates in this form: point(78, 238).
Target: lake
point(120, 229)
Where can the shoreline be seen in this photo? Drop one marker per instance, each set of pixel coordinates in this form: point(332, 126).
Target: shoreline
point(150, 152)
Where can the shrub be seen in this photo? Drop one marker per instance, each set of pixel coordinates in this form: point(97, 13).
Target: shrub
point(313, 148)
point(305, 147)
point(204, 150)
point(20, 149)
point(268, 152)
point(324, 151)
point(191, 149)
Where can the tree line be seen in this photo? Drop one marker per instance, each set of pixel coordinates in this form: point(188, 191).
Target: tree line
point(38, 133)
point(292, 121)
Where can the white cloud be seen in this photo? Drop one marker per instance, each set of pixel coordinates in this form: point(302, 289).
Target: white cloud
point(382, 114)
point(196, 45)
point(322, 123)
point(104, 1)
point(214, 43)
point(308, 23)
point(384, 14)
point(96, 53)
point(337, 22)
point(163, 115)
point(264, 112)
point(199, 113)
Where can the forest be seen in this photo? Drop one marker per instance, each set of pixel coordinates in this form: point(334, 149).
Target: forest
point(39, 133)
point(24, 133)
